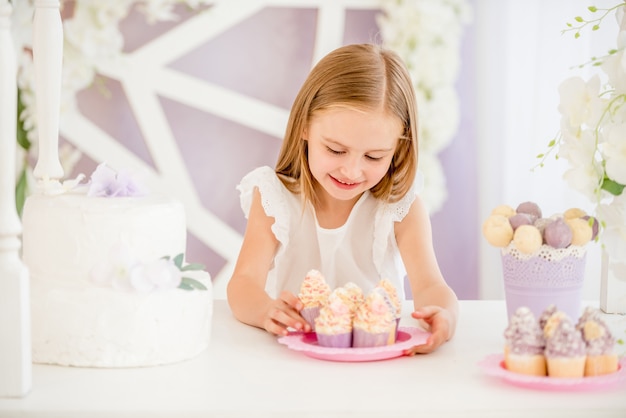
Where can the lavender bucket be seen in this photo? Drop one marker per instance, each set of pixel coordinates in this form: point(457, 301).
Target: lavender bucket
point(550, 276)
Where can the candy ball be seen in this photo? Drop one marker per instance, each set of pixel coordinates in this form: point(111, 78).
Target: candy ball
point(594, 226)
point(504, 210)
point(519, 219)
point(558, 234)
point(541, 223)
point(581, 231)
point(497, 230)
point(574, 213)
point(527, 239)
point(529, 208)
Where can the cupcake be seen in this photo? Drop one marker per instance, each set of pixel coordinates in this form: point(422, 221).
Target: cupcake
point(599, 342)
point(524, 344)
point(314, 292)
point(551, 320)
point(392, 292)
point(333, 326)
point(545, 316)
point(565, 349)
point(352, 294)
point(374, 323)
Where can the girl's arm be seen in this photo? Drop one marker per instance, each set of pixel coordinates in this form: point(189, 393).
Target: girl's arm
point(246, 289)
point(435, 302)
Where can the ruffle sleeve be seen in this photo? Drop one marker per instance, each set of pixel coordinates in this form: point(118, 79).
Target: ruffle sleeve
point(273, 199)
point(386, 216)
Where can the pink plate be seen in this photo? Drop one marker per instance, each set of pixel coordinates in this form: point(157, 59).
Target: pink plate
point(307, 343)
point(493, 365)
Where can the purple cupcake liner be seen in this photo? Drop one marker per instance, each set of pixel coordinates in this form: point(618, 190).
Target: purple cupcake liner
point(362, 338)
point(309, 315)
point(335, 340)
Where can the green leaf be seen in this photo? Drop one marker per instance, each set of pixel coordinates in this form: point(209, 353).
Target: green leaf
point(540, 155)
point(612, 187)
point(21, 134)
point(577, 35)
point(193, 266)
point(579, 19)
point(595, 27)
point(551, 143)
point(592, 9)
point(188, 283)
point(185, 286)
point(178, 261)
point(21, 190)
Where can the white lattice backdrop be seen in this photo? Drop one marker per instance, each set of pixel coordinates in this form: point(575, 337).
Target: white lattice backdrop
point(166, 77)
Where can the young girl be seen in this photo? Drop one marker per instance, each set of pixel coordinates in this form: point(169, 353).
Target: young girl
point(342, 199)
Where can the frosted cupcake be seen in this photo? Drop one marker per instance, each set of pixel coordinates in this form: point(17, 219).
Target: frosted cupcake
point(393, 297)
point(565, 349)
point(545, 316)
point(600, 343)
point(333, 326)
point(374, 324)
point(352, 294)
point(524, 344)
point(314, 292)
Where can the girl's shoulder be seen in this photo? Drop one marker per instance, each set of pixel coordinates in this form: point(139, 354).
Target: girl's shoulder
point(276, 199)
point(273, 192)
point(398, 210)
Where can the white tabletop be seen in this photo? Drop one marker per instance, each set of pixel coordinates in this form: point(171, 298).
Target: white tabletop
point(246, 373)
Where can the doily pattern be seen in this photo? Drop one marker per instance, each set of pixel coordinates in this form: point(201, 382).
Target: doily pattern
point(543, 272)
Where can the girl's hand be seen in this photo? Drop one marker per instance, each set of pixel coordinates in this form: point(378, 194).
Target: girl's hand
point(284, 313)
point(439, 321)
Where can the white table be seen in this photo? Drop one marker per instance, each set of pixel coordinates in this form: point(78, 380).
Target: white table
point(246, 373)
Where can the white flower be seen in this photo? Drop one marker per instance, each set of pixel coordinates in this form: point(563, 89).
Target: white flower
point(580, 103)
point(593, 141)
point(614, 151)
point(121, 270)
point(156, 275)
point(113, 270)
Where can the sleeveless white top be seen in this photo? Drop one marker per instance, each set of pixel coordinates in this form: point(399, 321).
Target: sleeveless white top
point(362, 251)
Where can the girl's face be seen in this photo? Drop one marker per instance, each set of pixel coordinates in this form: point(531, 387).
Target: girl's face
point(350, 150)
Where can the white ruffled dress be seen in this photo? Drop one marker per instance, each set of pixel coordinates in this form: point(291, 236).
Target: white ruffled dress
point(363, 250)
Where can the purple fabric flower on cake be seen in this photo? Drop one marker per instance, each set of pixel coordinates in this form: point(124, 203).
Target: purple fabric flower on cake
point(105, 182)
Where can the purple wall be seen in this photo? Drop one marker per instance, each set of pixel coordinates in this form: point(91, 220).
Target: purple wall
point(267, 57)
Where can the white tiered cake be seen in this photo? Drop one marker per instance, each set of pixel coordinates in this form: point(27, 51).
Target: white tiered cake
point(78, 321)
point(109, 287)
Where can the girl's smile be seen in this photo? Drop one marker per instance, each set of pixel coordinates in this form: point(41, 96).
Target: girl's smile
point(345, 184)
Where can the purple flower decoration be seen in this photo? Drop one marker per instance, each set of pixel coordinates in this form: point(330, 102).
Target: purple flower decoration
point(105, 182)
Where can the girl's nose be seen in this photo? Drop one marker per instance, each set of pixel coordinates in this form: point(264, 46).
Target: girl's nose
point(352, 168)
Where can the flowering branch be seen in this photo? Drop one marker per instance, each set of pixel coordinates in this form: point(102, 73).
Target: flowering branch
point(592, 138)
point(595, 22)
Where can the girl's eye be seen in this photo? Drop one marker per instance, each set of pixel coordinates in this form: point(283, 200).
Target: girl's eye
point(369, 157)
point(332, 151)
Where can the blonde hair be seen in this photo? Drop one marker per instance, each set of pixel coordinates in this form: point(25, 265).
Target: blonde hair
point(360, 76)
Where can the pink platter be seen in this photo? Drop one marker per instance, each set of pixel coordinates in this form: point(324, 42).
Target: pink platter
point(493, 365)
point(307, 344)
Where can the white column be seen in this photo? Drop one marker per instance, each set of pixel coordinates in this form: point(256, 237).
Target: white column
point(15, 342)
point(48, 59)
